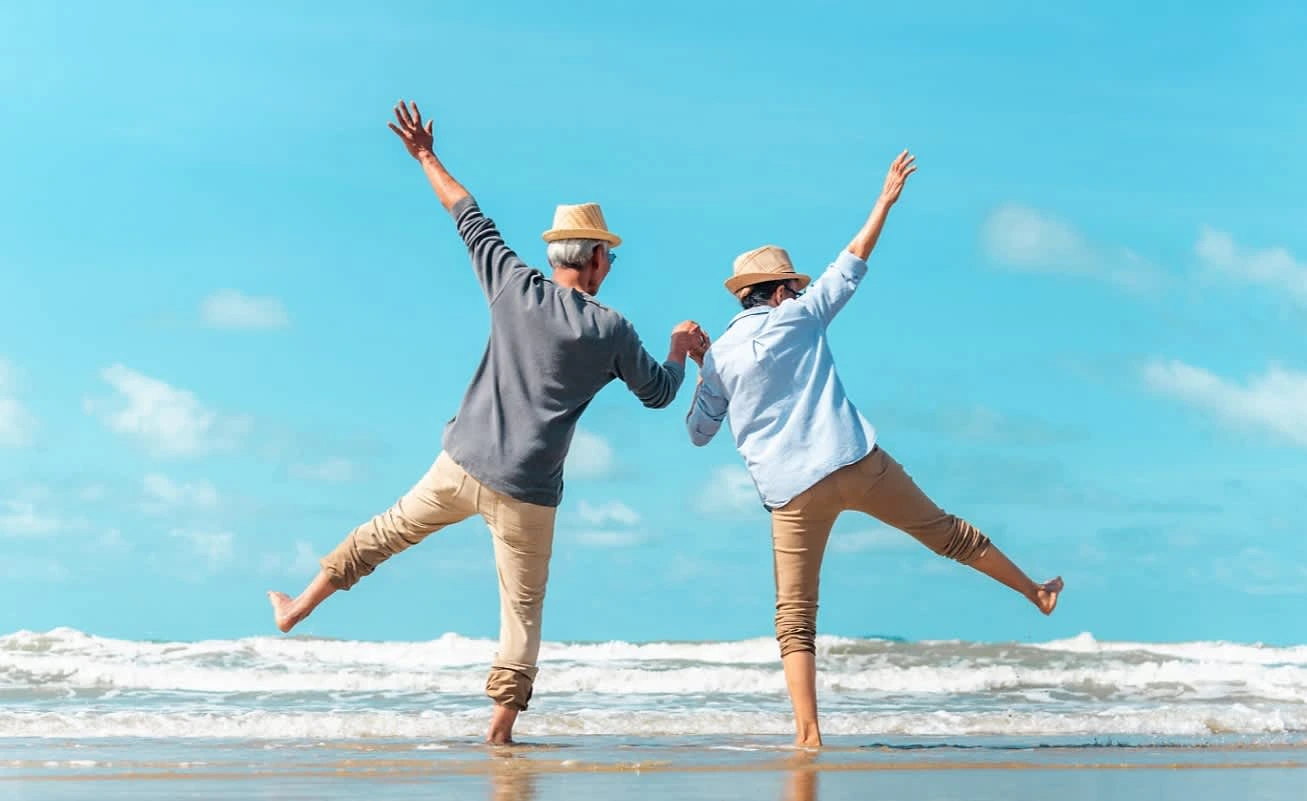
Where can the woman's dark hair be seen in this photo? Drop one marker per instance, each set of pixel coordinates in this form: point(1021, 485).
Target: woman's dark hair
point(760, 294)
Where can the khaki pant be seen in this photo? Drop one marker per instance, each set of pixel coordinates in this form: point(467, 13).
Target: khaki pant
point(877, 485)
point(523, 536)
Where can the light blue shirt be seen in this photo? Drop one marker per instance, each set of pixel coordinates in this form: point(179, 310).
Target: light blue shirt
point(773, 371)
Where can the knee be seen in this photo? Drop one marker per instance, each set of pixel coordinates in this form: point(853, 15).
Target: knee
point(510, 688)
point(796, 627)
point(965, 543)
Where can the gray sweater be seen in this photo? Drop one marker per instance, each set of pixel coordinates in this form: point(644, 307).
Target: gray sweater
point(551, 350)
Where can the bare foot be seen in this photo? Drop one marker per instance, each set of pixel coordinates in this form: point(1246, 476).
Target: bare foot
point(283, 611)
point(1046, 595)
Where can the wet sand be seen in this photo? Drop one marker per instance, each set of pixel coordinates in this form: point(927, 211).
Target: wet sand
point(552, 769)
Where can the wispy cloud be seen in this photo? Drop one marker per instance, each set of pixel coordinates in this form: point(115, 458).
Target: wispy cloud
point(1274, 402)
point(590, 456)
point(332, 471)
point(24, 518)
point(167, 420)
point(611, 512)
point(880, 538)
point(1255, 571)
point(1023, 238)
point(1274, 268)
point(213, 547)
point(162, 494)
point(17, 425)
point(231, 309)
point(609, 537)
point(304, 562)
point(729, 491)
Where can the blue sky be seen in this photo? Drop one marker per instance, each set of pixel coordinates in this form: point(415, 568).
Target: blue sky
point(233, 318)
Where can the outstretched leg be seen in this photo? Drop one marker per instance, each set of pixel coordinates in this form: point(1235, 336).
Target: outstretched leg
point(880, 487)
point(800, 531)
point(523, 534)
point(439, 499)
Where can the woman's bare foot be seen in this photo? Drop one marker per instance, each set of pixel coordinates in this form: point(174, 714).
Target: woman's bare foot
point(1045, 596)
point(283, 611)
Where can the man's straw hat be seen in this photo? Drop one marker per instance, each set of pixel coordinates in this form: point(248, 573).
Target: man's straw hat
point(581, 221)
point(767, 263)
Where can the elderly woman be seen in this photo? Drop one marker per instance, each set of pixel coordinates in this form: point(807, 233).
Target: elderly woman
point(809, 451)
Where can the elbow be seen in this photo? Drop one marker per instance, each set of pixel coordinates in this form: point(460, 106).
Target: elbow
point(699, 440)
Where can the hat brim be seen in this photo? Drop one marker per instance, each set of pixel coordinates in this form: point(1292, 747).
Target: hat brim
point(556, 234)
point(738, 282)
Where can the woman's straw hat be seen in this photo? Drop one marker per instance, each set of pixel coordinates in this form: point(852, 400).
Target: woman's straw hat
point(767, 263)
point(581, 221)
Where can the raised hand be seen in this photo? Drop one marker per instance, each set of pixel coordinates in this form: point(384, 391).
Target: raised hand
point(903, 166)
point(418, 138)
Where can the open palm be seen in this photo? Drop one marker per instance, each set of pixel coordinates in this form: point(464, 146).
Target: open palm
point(418, 138)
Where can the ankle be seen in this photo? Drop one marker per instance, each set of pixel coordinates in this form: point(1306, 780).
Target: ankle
point(807, 734)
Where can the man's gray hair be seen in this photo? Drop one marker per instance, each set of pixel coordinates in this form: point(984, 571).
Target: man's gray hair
point(573, 253)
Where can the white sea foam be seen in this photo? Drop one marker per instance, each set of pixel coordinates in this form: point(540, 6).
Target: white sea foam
point(67, 683)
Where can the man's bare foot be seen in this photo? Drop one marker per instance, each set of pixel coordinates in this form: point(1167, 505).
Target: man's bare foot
point(283, 611)
point(1045, 596)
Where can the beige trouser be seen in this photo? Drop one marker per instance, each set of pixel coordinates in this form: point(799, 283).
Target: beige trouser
point(523, 536)
point(877, 485)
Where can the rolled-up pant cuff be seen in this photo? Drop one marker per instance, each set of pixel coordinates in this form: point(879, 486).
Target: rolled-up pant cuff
point(510, 688)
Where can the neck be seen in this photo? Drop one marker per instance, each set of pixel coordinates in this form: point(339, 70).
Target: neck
point(571, 279)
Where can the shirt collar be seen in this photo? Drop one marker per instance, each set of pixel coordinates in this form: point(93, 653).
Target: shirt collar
point(753, 312)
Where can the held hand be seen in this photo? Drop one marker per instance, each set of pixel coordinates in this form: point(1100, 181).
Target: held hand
point(687, 339)
point(899, 171)
point(418, 138)
point(698, 350)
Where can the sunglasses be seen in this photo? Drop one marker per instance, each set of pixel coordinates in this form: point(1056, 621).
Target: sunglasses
point(612, 257)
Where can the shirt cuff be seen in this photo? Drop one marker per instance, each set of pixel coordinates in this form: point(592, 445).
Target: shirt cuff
point(462, 205)
point(851, 265)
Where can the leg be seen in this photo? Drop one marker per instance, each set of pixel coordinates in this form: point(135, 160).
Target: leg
point(439, 499)
point(800, 531)
point(880, 487)
point(523, 534)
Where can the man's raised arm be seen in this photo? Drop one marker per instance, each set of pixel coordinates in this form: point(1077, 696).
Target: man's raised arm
point(491, 258)
point(833, 288)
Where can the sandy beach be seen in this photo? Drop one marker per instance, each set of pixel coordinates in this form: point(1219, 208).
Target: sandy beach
point(551, 769)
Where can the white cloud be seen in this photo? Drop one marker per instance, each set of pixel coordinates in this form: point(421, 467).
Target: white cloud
point(1275, 402)
point(17, 425)
point(590, 456)
point(228, 308)
point(1257, 572)
point(881, 538)
point(303, 564)
point(609, 538)
point(215, 548)
point(611, 512)
point(22, 518)
point(1275, 268)
point(729, 491)
point(1023, 238)
point(332, 471)
point(162, 494)
point(169, 421)
point(32, 569)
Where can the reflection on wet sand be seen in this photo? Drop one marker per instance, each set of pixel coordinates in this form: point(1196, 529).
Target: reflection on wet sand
point(512, 776)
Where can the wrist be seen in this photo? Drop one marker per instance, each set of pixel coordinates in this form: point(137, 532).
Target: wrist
point(427, 156)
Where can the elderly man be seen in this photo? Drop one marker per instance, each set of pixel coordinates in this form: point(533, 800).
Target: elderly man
point(552, 347)
point(809, 451)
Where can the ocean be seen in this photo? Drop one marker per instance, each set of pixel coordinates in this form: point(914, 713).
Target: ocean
point(69, 684)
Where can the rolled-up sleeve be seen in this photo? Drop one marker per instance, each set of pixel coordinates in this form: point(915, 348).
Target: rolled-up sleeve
point(832, 289)
point(654, 383)
point(707, 410)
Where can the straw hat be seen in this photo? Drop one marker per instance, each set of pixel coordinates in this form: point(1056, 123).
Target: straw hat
point(767, 263)
point(581, 221)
